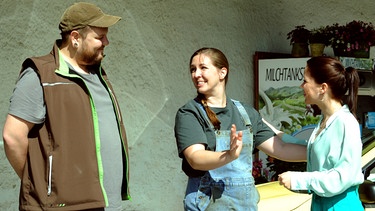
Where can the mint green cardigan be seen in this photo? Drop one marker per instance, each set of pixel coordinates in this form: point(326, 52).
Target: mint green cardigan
point(333, 157)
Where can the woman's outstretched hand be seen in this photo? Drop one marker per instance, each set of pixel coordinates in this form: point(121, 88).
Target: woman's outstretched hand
point(235, 143)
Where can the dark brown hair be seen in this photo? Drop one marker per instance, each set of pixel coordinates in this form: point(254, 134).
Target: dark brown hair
point(341, 80)
point(219, 60)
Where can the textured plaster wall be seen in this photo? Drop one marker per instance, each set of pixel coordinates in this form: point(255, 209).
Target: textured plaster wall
point(147, 62)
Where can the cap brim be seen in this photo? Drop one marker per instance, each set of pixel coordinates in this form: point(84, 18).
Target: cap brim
point(105, 21)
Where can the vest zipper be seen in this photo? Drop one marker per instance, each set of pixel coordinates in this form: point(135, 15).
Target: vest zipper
point(49, 176)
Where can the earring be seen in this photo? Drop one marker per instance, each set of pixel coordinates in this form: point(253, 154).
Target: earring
point(322, 94)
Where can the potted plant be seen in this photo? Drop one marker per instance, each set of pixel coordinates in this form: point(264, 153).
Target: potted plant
point(259, 173)
point(318, 40)
point(353, 39)
point(299, 37)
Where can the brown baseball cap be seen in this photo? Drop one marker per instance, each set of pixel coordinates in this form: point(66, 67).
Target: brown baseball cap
point(83, 14)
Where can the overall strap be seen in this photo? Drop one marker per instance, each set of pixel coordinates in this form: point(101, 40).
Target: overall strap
point(241, 109)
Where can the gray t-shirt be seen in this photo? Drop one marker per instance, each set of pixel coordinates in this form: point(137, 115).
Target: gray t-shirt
point(110, 142)
point(27, 100)
point(27, 103)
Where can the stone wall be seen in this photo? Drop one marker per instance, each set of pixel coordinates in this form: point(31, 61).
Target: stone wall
point(147, 62)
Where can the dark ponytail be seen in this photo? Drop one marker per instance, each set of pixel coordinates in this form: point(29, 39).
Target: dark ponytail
point(211, 115)
point(352, 82)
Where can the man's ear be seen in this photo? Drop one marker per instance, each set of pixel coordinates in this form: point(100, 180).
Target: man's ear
point(74, 37)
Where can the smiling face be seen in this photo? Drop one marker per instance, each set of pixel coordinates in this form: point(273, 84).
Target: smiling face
point(208, 79)
point(91, 50)
point(311, 90)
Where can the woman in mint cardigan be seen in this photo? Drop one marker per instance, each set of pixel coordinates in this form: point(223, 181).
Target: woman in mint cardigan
point(334, 148)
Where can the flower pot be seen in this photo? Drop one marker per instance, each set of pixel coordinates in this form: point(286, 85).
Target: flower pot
point(316, 49)
point(300, 50)
point(360, 53)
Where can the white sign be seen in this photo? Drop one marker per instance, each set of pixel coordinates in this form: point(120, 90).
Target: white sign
point(278, 73)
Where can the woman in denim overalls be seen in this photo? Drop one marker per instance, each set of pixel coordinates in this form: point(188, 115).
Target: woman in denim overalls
point(231, 183)
point(216, 157)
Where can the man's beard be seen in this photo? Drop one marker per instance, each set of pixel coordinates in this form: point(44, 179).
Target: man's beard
point(91, 57)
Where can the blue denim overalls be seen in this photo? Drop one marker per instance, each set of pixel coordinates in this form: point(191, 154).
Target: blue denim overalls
point(230, 187)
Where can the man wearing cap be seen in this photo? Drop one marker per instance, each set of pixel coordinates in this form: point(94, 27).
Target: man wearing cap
point(64, 134)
